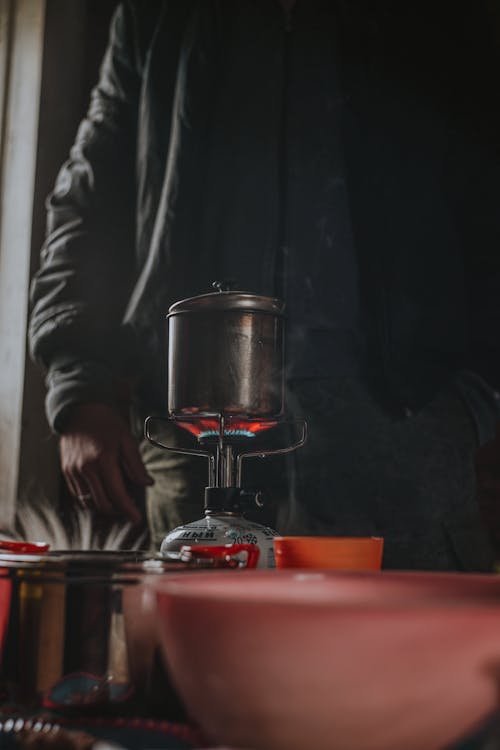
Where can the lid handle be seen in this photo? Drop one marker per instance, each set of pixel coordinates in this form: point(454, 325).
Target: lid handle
point(224, 285)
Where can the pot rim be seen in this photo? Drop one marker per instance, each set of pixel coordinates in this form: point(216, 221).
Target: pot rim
point(228, 301)
point(89, 564)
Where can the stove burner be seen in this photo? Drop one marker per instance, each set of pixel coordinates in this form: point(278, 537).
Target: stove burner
point(204, 429)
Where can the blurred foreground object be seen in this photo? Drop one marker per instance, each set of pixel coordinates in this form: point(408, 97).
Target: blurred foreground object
point(357, 661)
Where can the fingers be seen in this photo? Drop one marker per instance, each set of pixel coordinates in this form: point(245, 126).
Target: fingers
point(70, 465)
point(79, 487)
point(72, 484)
point(97, 496)
point(115, 488)
point(105, 491)
point(88, 490)
point(133, 464)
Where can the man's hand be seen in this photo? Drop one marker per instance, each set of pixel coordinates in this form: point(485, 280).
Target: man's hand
point(98, 456)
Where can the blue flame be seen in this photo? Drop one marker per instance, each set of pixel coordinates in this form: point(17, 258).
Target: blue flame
point(237, 432)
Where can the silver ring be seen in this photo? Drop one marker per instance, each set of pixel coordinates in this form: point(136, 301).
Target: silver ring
point(84, 498)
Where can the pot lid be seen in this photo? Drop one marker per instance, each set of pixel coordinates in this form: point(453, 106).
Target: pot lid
point(229, 300)
point(94, 565)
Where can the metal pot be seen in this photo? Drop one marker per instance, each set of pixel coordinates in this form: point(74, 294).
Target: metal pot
point(225, 355)
point(78, 632)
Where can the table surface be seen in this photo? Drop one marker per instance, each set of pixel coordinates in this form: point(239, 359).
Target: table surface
point(152, 734)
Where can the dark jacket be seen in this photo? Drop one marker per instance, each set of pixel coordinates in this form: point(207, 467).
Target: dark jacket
point(345, 157)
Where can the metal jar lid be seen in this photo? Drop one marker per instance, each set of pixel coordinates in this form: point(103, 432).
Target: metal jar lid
point(229, 300)
point(86, 566)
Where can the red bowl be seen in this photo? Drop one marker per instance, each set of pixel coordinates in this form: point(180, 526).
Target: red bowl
point(286, 660)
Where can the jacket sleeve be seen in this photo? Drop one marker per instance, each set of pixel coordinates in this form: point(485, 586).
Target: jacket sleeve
point(87, 260)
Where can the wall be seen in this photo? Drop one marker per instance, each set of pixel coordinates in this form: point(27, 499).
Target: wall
point(55, 47)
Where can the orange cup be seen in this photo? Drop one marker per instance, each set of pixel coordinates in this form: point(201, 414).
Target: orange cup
point(333, 552)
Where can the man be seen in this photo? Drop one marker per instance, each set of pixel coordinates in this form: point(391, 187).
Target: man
point(341, 155)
